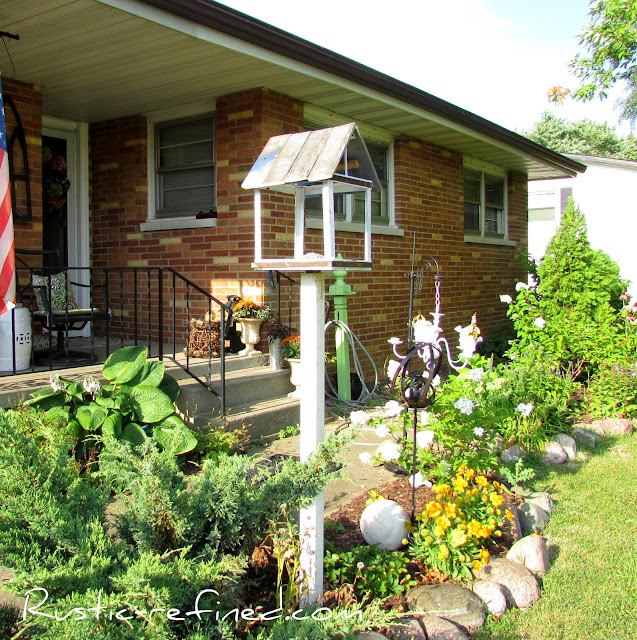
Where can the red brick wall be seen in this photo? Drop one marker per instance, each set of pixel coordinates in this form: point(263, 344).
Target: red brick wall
point(428, 202)
point(28, 102)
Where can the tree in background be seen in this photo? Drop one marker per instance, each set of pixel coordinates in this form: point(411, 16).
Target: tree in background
point(584, 136)
point(610, 39)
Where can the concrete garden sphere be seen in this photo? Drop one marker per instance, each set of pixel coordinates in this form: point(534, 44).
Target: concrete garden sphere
point(383, 523)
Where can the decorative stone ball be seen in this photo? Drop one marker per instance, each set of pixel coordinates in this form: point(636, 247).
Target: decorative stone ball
point(384, 523)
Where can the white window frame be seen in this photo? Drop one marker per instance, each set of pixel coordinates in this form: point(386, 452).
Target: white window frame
point(153, 223)
point(318, 118)
point(481, 236)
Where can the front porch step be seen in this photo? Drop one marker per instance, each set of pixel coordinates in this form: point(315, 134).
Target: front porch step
point(244, 388)
point(262, 419)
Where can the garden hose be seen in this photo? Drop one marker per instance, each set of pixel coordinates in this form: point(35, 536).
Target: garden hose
point(332, 396)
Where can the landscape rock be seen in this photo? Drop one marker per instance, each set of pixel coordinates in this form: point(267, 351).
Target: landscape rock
point(520, 586)
point(407, 629)
point(532, 552)
point(441, 629)
point(541, 499)
point(532, 517)
point(492, 595)
point(369, 635)
point(512, 454)
point(568, 443)
point(496, 445)
point(612, 427)
point(384, 523)
point(554, 453)
point(585, 436)
point(449, 601)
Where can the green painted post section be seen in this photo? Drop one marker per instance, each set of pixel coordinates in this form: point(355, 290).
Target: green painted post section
point(340, 291)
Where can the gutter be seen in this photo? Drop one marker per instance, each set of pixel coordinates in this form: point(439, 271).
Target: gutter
point(225, 20)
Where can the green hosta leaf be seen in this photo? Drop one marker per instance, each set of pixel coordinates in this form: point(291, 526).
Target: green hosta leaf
point(170, 387)
point(179, 440)
point(172, 422)
point(112, 425)
point(61, 413)
point(125, 364)
point(75, 389)
point(73, 429)
point(104, 401)
point(134, 434)
point(84, 416)
point(152, 374)
point(150, 404)
point(45, 396)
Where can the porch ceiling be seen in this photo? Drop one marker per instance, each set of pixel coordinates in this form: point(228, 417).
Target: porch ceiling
point(102, 59)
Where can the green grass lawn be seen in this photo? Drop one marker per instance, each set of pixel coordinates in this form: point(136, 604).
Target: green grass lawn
point(590, 592)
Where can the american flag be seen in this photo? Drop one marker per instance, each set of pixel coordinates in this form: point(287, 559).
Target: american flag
point(7, 255)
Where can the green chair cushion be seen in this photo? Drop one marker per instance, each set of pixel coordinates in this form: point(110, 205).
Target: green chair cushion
point(62, 297)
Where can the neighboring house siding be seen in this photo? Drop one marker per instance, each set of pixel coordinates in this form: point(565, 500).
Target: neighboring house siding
point(428, 186)
point(28, 102)
point(605, 194)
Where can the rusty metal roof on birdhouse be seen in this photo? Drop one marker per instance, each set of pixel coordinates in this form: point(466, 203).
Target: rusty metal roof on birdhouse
point(337, 153)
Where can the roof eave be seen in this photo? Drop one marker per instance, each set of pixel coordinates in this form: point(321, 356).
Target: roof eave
point(243, 27)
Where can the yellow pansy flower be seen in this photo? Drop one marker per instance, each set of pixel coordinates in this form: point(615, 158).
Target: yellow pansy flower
point(474, 528)
point(496, 499)
point(451, 510)
point(459, 484)
point(476, 565)
point(443, 522)
point(481, 481)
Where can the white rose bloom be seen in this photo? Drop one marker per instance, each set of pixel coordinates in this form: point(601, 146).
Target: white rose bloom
point(424, 438)
point(382, 431)
point(359, 417)
point(392, 409)
point(540, 323)
point(506, 298)
point(525, 409)
point(390, 451)
point(479, 431)
point(521, 285)
point(465, 406)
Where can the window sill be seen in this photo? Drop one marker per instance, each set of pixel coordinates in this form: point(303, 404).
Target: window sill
point(166, 224)
point(355, 227)
point(502, 242)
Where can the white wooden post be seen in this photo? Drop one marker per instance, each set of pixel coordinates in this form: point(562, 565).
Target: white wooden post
point(368, 225)
point(299, 222)
point(258, 252)
point(329, 241)
point(312, 429)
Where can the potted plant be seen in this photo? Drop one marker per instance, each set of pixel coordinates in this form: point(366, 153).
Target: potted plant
point(277, 333)
point(250, 316)
point(292, 353)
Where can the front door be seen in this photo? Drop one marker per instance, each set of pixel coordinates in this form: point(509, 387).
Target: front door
point(65, 198)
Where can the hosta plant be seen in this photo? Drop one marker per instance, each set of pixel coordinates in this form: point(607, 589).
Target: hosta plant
point(454, 528)
point(138, 402)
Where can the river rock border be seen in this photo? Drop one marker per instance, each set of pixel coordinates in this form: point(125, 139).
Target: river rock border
point(452, 612)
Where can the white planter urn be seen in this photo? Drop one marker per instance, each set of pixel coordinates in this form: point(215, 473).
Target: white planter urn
point(295, 376)
point(249, 328)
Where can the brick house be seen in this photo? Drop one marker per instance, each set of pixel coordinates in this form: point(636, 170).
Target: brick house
point(161, 108)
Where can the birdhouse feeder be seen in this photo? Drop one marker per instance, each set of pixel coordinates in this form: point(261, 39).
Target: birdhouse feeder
point(325, 163)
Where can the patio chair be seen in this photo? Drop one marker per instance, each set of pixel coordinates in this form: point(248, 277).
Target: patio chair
point(53, 304)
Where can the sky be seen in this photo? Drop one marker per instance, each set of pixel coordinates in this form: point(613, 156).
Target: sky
point(495, 58)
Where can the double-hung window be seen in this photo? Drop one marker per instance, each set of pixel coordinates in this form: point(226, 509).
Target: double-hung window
point(185, 167)
point(485, 201)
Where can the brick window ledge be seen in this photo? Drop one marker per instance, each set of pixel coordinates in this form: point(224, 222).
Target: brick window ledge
point(355, 227)
point(503, 242)
point(166, 224)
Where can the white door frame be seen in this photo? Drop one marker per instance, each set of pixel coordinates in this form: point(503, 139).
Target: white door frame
point(76, 136)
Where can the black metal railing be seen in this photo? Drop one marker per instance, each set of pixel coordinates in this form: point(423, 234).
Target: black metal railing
point(286, 290)
point(116, 306)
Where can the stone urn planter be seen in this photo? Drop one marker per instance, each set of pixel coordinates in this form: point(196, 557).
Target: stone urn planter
point(249, 328)
point(295, 376)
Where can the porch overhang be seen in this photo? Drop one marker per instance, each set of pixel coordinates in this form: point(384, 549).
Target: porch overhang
point(98, 60)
